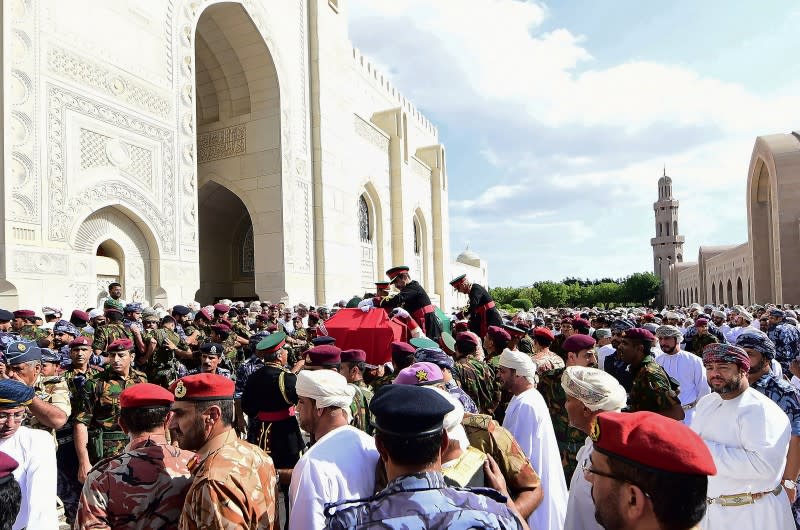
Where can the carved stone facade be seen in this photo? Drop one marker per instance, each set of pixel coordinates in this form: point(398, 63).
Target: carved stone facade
point(197, 149)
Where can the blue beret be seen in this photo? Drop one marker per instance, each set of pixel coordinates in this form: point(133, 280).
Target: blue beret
point(63, 326)
point(134, 307)
point(6, 315)
point(435, 356)
point(19, 352)
point(181, 310)
point(408, 411)
point(50, 356)
point(13, 393)
point(323, 340)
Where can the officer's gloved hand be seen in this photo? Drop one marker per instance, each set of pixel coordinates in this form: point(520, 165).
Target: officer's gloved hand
point(366, 305)
point(400, 312)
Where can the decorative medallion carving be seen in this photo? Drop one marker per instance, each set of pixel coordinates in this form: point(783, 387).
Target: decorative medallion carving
point(222, 143)
point(40, 262)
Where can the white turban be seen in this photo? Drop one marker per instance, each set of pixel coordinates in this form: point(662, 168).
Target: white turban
point(718, 313)
point(521, 362)
point(452, 420)
point(669, 331)
point(594, 388)
point(94, 313)
point(326, 387)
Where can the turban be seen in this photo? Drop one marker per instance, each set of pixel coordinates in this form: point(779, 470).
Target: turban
point(51, 311)
point(746, 316)
point(621, 325)
point(435, 356)
point(15, 394)
point(777, 313)
point(602, 333)
point(594, 388)
point(669, 331)
point(326, 387)
point(757, 340)
point(519, 361)
point(452, 420)
point(671, 315)
point(94, 313)
point(718, 313)
point(726, 353)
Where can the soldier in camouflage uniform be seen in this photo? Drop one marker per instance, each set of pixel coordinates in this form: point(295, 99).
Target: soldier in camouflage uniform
point(354, 363)
point(235, 484)
point(164, 351)
point(24, 324)
point(495, 341)
point(476, 377)
point(652, 388)
point(580, 352)
point(402, 357)
point(701, 338)
point(111, 331)
point(145, 486)
point(97, 431)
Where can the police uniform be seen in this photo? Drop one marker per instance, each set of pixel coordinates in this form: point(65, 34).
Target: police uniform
point(145, 486)
point(212, 348)
point(422, 499)
point(415, 300)
point(269, 399)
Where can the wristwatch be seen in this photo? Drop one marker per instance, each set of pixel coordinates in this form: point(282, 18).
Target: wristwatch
point(789, 484)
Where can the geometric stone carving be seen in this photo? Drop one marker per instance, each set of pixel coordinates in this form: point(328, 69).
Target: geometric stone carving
point(40, 262)
point(370, 133)
point(99, 150)
point(222, 143)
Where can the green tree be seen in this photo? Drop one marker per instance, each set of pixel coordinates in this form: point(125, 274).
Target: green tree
point(641, 287)
point(532, 294)
point(605, 294)
point(553, 294)
point(504, 295)
point(522, 303)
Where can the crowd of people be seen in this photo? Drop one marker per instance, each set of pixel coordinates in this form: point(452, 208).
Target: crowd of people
point(248, 415)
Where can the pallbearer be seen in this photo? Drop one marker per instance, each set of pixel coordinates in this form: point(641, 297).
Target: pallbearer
point(481, 310)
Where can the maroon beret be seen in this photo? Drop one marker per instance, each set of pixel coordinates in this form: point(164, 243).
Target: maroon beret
point(203, 314)
point(145, 395)
point(468, 337)
point(400, 348)
point(543, 332)
point(202, 387)
point(701, 322)
point(496, 332)
point(221, 308)
point(7, 467)
point(580, 323)
point(566, 320)
point(638, 334)
point(654, 441)
point(354, 356)
point(222, 329)
point(261, 317)
point(24, 313)
point(324, 355)
point(79, 315)
point(120, 345)
point(578, 342)
point(80, 341)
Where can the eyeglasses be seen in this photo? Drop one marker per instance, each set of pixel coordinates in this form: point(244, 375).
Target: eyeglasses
point(588, 469)
point(18, 417)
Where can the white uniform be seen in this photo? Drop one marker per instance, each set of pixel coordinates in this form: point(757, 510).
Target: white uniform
point(687, 368)
point(35, 453)
point(339, 466)
point(748, 436)
point(580, 507)
point(528, 419)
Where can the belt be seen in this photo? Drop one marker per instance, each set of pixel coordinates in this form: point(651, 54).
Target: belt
point(743, 499)
point(481, 309)
point(276, 415)
point(420, 313)
point(690, 406)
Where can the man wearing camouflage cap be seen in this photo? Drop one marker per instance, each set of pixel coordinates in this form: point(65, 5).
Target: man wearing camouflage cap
point(785, 336)
point(64, 332)
point(112, 330)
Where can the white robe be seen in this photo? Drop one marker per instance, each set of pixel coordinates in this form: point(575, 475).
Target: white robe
point(339, 466)
point(35, 453)
point(528, 419)
point(580, 508)
point(602, 353)
point(687, 368)
point(748, 436)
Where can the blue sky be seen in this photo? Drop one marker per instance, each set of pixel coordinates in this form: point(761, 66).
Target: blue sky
point(558, 118)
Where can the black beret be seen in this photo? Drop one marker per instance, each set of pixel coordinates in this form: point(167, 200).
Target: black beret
point(323, 340)
point(408, 411)
point(212, 348)
point(181, 310)
point(6, 315)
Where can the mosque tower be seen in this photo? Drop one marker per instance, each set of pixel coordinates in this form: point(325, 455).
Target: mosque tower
point(667, 245)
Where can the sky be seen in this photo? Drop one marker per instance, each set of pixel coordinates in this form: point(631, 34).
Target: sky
point(560, 117)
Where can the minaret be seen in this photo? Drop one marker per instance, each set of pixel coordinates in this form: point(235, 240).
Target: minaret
point(667, 245)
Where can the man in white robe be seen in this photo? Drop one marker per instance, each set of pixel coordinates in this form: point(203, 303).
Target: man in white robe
point(748, 436)
point(528, 419)
point(341, 463)
point(686, 368)
point(589, 392)
point(35, 452)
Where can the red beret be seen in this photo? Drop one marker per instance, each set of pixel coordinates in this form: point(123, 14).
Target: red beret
point(354, 356)
point(145, 395)
point(222, 328)
point(566, 320)
point(80, 315)
point(222, 308)
point(638, 334)
point(580, 322)
point(120, 345)
point(578, 342)
point(24, 313)
point(80, 341)
point(323, 355)
point(496, 332)
point(654, 441)
point(648, 317)
point(400, 348)
point(202, 387)
point(7, 467)
point(543, 332)
point(203, 314)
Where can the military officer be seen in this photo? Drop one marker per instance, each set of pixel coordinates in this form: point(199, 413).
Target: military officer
point(210, 354)
point(24, 324)
point(145, 486)
point(652, 388)
point(412, 298)
point(481, 310)
point(97, 431)
point(234, 482)
point(112, 330)
point(164, 352)
point(352, 367)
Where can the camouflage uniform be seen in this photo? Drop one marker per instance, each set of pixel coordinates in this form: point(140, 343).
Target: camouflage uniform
point(359, 407)
point(569, 439)
point(105, 335)
point(477, 379)
point(501, 397)
point(220, 371)
point(54, 390)
point(141, 489)
point(29, 332)
point(163, 367)
point(424, 500)
point(652, 388)
point(385, 379)
point(699, 342)
point(234, 486)
point(98, 409)
point(486, 434)
point(525, 345)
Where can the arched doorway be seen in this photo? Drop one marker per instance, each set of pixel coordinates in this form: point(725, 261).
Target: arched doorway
point(739, 291)
point(109, 267)
point(714, 293)
point(227, 248)
point(729, 297)
point(760, 202)
point(239, 160)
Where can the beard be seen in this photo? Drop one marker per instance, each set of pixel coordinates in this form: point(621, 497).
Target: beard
point(732, 385)
point(759, 367)
point(191, 440)
point(606, 513)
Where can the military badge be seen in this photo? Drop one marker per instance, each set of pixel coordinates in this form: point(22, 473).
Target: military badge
point(180, 390)
point(21, 347)
point(422, 375)
point(595, 432)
